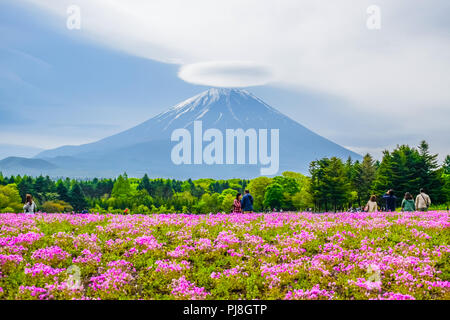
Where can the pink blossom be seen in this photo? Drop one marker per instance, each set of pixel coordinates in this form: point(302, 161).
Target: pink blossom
point(182, 288)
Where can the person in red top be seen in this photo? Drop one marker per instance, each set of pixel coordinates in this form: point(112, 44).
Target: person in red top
point(237, 204)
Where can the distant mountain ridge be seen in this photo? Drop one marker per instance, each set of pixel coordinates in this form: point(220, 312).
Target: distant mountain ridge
point(146, 148)
point(26, 165)
point(12, 150)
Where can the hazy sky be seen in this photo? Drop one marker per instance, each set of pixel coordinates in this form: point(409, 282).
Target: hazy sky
point(315, 61)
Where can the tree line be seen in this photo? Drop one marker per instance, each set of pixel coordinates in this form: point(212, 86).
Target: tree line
point(337, 185)
point(332, 185)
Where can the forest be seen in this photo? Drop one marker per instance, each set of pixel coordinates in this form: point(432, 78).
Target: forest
point(332, 185)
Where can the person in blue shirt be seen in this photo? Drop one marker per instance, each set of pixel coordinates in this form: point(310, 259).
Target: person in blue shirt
point(390, 200)
point(247, 202)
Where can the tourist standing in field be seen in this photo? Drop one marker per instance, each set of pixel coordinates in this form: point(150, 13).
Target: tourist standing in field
point(29, 206)
point(390, 200)
point(237, 204)
point(423, 201)
point(247, 202)
point(372, 205)
point(408, 203)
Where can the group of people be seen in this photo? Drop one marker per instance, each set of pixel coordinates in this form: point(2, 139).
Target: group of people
point(422, 202)
point(243, 204)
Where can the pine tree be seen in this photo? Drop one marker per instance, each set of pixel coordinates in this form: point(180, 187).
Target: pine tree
point(122, 187)
point(329, 183)
point(25, 186)
point(446, 165)
point(77, 199)
point(62, 191)
point(314, 190)
point(145, 184)
point(365, 177)
point(430, 159)
point(405, 170)
point(430, 177)
point(383, 176)
point(446, 180)
point(40, 188)
point(337, 183)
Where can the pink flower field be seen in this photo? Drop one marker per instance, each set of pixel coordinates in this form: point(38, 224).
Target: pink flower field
point(340, 256)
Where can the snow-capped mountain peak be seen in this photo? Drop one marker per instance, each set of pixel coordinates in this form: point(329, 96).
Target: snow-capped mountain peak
point(221, 105)
point(146, 147)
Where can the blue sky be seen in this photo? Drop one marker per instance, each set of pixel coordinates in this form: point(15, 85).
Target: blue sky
point(60, 86)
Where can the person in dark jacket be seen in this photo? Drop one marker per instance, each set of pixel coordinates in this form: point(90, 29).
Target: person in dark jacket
point(390, 200)
point(247, 202)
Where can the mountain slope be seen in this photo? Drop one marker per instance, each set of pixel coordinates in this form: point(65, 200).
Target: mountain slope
point(10, 150)
point(18, 165)
point(147, 147)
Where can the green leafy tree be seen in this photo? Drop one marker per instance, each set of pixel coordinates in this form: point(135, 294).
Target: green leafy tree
point(10, 200)
point(227, 202)
point(257, 188)
point(273, 197)
point(303, 199)
point(289, 184)
point(209, 203)
point(56, 206)
point(187, 185)
point(141, 198)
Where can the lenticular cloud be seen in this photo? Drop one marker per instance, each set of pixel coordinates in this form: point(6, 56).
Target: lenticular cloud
point(226, 73)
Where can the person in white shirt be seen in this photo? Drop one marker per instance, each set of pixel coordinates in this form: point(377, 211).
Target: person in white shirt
point(423, 201)
point(29, 206)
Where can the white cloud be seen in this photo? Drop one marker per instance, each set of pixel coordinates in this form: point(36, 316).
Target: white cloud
point(402, 70)
point(226, 74)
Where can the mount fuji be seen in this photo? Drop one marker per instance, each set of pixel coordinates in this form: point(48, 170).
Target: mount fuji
point(147, 147)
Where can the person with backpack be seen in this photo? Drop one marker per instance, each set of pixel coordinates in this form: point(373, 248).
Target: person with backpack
point(408, 203)
point(423, 201)
point(247, 202)
point(237, 204)
point(390, 200)
point(29, 206)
